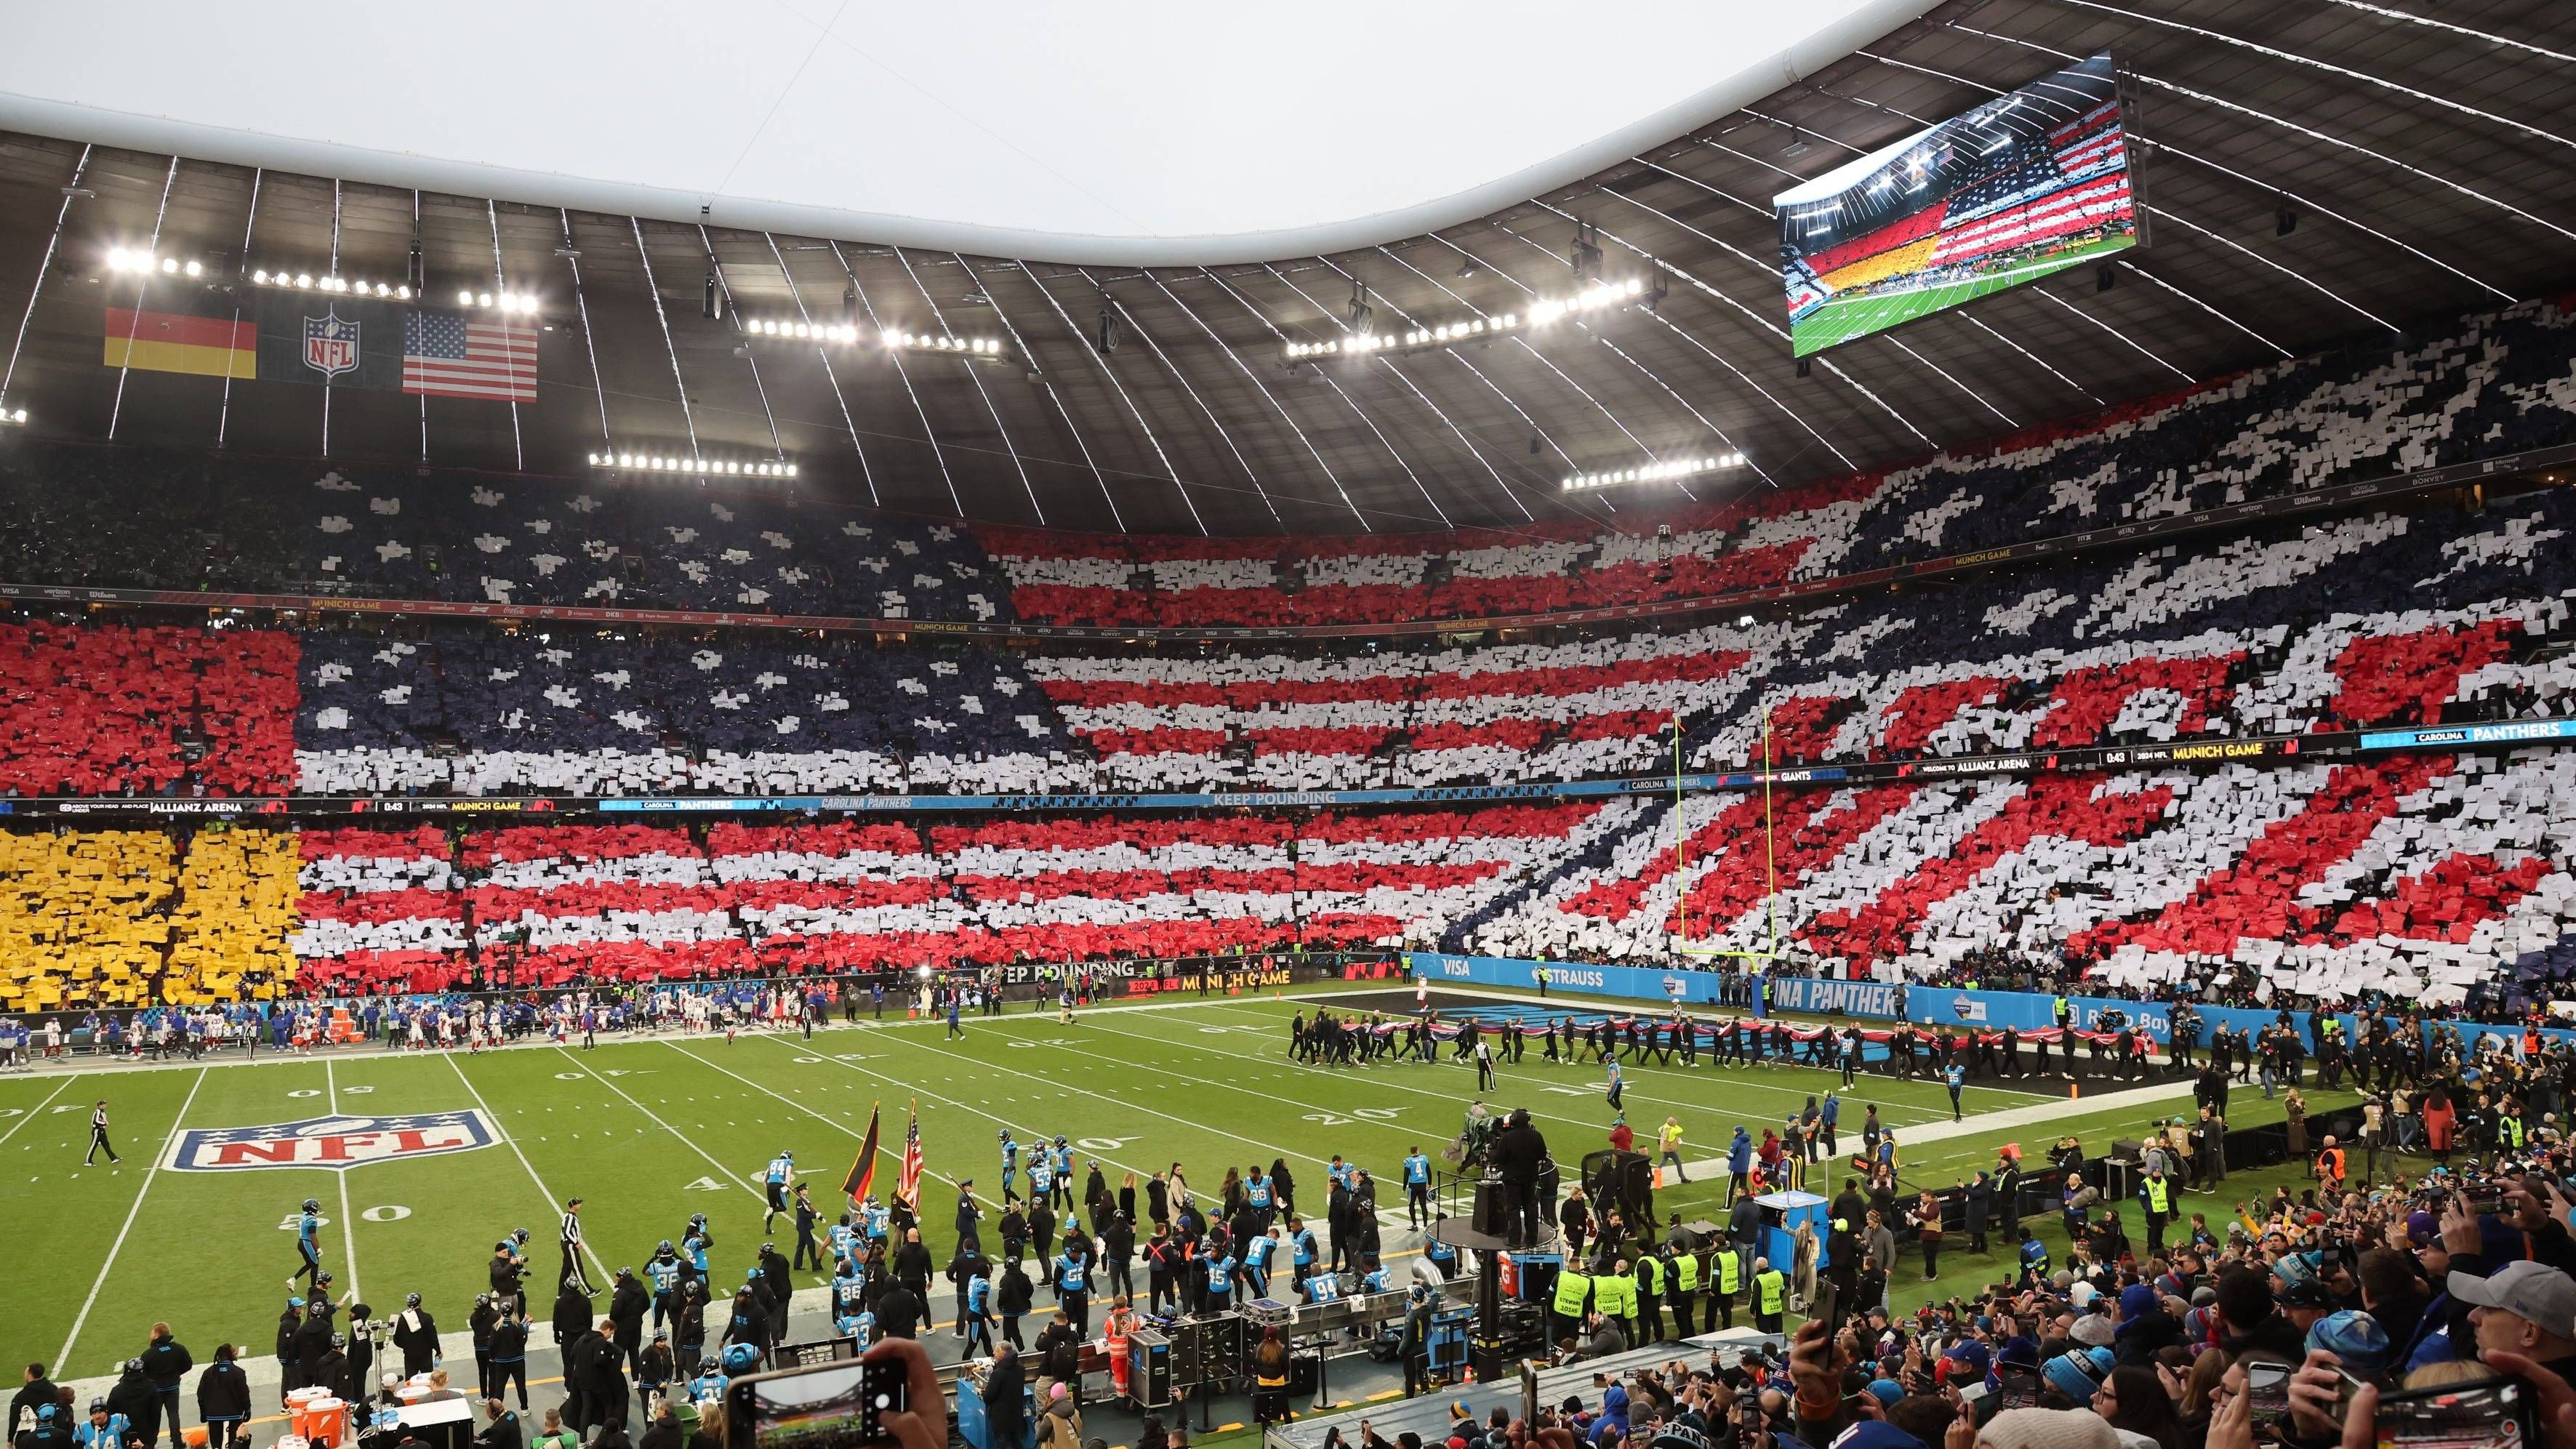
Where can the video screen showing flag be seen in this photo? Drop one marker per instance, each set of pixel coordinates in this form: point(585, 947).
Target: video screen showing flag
point(2031, 183)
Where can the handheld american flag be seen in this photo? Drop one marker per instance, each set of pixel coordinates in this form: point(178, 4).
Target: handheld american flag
point(863, 1171)
point(909, 1187)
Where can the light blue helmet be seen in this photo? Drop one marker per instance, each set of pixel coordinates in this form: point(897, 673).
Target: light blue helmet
point(740, 1358)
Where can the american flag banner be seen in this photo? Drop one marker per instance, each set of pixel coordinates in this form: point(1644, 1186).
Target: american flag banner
point(909, 1187)
point(461, 354)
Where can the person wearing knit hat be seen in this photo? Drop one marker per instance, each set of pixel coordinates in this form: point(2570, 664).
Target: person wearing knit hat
point(2047, 1429)
point(2093, 1331)
point(2078, 1374)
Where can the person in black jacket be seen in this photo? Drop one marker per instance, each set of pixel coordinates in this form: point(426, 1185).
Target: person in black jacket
point(313, 1343)
point(572, 1315)
point(166, 1364)
point(416, 1334)
point(288, 1321)
point(362, 1352)
point(1006, 1410)
point(900, 1311)
point(602, 1369)
point(510, 1356)
point(1013, 1300)
point(132, 1397)
point(1515, 1153)
point(776, 1276)
point(912, 1263)
point(654, 1369)
point(481, 1322)
point(223, 1398)
point(1118, 1250)
point(1059, 1350)
point(663, 1432)
point(627, 1304)
point(503, 1432)
point(34, 1394)
point(689, 1338)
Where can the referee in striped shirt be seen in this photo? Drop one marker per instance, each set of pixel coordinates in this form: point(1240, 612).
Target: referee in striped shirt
point(98, 1134)
point(573, 1276)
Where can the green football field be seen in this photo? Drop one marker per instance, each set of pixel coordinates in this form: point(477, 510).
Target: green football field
point(650, 1130)
point(1841, 320)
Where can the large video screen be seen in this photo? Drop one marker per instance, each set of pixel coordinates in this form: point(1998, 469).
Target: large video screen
point(2032, 182)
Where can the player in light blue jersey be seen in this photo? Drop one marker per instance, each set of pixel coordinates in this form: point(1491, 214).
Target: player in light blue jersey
point(775, 1178)
point(1010, 1164)
point(308, 1245)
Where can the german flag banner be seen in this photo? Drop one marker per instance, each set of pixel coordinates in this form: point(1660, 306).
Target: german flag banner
point(863, 1171)
point(178, 342)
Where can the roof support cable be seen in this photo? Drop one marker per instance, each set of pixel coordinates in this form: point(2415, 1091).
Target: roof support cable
point(2167, 148)
point(1120, 388)
point(1651, 375)
point(831, 374)
point(581, 306)
point(1039, 375)
point(142, 285)
point(977, 377)
point(687, 416)
point(1356, 410)
point(53, 243)
point(2310, 132)
point(1419, 395)
point(224, 410)
point(895, 355)
point(1267, 396)
point(1113, 304)
point(715, 268)
point(501, 287)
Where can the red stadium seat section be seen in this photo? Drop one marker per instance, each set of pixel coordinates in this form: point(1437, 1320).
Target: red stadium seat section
point(146, 711)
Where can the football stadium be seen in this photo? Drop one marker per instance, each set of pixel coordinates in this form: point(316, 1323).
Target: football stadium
point(840, 728)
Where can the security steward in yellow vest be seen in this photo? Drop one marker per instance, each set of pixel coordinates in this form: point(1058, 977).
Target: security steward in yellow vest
point(1615, 1294)
point(1650, 1300)
point(1770, 1295)
point(1726, 1277)
point(2156, 1191)
point(1573, 1297)
point(1681, 1284)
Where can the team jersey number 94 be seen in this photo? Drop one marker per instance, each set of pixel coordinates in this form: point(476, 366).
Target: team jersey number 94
point(343, 1141)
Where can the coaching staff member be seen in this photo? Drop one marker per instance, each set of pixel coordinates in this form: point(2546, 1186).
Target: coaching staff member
point(1517, 1153)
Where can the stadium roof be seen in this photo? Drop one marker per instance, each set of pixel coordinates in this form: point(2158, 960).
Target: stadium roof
point(2421, 154)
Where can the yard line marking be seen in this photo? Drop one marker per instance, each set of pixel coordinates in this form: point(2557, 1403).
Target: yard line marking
point(39, 1110)
point(63, 1358)
point(674, 1131)
point(553, 1204)
point(348, 1220)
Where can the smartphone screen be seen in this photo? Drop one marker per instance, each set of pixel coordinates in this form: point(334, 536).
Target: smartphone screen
point(2490, 1415)
point(836, 1405)
point(2019, 1387)
point(2267, 1391)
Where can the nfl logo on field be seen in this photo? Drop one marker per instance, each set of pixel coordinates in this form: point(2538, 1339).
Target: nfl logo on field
point(331, 344)
point(344, 1141)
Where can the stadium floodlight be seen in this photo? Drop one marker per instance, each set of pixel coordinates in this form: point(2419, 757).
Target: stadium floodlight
point(1595, 297)
point(897, 339)
point(1656, 472)
point(341, 286)
point(695, 465)
point(16, 419)
point(799, 330)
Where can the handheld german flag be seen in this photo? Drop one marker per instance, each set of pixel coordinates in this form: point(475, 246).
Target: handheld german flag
point(863, 1171)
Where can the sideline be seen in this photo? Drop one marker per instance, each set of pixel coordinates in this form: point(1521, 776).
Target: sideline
point(177, 1122)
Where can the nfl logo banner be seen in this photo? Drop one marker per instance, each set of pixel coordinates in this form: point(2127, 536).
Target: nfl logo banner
point(331, 343)
point(344, 341)
point(330, 1142)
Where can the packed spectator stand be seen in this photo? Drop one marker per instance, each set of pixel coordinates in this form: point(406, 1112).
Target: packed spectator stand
point(2408, 874)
